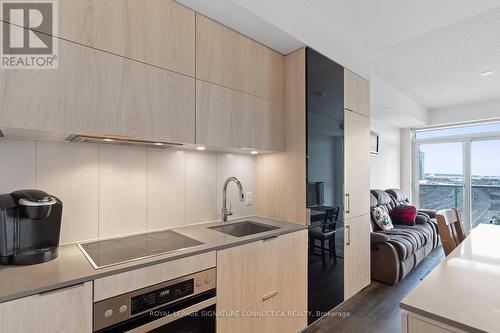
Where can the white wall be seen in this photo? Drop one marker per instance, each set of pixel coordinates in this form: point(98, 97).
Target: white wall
point(110, 190)
point(385, 169)
point(470, 112)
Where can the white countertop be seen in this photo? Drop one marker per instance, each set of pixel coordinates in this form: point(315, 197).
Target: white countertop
point(464, 290)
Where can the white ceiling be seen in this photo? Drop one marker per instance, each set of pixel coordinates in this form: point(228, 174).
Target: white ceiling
point(442, 68)
point(380, 23)
point(431, 50)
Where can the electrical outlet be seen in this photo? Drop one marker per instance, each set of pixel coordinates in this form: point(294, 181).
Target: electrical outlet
point(249, 198)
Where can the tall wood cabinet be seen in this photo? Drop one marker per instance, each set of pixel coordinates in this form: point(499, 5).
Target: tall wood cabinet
point(356, 183)
point(325, 164)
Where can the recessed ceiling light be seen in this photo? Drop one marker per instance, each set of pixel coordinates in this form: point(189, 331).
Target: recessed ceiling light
point(200, 148)
point(254, 152)
point(108, 140)
point(158, 144)
point(486, 73)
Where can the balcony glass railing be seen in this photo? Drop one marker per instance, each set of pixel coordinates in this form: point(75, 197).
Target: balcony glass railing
point(485, 200)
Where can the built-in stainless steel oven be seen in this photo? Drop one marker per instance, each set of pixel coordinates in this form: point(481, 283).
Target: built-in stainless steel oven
point(183, 305)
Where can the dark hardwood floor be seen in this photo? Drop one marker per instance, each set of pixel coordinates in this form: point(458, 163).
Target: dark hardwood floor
point(376, 308)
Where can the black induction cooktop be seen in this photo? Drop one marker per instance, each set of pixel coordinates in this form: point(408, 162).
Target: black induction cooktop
point(115, 251)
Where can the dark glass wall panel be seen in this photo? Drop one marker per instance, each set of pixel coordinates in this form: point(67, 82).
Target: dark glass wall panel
point(325, 180)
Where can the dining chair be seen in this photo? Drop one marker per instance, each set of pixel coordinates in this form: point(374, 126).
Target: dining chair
point(450, 229)
point(326, 232)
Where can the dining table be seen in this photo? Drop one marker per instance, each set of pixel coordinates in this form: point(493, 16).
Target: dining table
point(461, 294)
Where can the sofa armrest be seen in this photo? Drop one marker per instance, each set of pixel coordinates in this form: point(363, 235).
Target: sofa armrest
point(384, 263)
point(429, 212)
point(421, 219)
point(377, 237)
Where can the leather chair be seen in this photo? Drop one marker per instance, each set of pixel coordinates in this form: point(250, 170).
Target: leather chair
point(395, 252)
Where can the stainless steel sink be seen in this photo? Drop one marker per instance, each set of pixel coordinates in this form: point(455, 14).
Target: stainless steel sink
point(242, 229)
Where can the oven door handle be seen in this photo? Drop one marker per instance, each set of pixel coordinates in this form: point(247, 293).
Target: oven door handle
point(174, 316)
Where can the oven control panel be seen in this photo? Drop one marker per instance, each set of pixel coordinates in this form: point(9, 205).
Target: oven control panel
point(161, 296)
point(123, 307)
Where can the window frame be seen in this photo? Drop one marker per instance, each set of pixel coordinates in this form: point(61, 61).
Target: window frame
point(466, 140)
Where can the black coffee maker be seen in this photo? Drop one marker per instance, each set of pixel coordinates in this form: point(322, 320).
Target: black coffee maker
point(30, 225)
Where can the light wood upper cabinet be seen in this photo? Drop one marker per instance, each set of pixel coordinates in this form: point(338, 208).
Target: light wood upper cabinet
point(357, 164)
point(272, 276)
point(60, 311)
point(232, 60)
point(157, 32)
point(356, 255)
point(228, 118)
point(94, 92)
point(356, 93)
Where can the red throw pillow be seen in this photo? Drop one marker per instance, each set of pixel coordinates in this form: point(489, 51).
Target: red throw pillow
point(404, 214)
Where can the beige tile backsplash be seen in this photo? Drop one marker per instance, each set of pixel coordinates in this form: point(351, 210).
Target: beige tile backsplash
point(112, 190)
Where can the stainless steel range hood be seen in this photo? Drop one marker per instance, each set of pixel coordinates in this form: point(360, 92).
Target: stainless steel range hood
point(121, 140)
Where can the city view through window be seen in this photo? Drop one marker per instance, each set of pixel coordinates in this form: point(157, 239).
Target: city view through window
point(441, 177)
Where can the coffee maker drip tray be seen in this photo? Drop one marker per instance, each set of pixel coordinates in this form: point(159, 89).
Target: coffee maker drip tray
point(108, 252)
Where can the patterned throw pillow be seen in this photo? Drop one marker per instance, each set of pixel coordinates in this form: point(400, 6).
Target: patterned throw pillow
point(382, 218)
point(404, 214)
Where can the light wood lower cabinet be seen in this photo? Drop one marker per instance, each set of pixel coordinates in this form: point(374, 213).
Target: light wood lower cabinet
point(356, 255)
point(413, 323)
point(94, 92)
point(60, 311)
point(228, 118)
point(262, 286)
point(357, 164)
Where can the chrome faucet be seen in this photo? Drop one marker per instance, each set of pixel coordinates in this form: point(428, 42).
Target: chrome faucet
point(227, 212)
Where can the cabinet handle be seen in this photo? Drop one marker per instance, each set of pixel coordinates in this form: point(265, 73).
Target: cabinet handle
point(271, 295)
point(348, 240)
point(348, 201)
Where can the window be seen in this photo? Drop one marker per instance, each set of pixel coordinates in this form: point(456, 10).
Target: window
point(458, 167)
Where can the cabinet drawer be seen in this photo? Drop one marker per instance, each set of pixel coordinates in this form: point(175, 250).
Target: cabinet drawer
point(94, 92)
point(228, 118)
point(60, 311)
point(247, 273)
point(230, 59)
point(283, 311)
point(118, 284)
